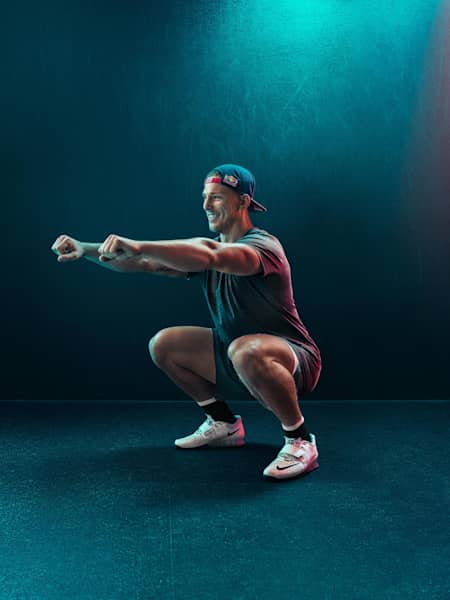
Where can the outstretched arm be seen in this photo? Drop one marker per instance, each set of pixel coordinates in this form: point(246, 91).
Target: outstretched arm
point(193, 254)
point(68, 249)
point(128, 264)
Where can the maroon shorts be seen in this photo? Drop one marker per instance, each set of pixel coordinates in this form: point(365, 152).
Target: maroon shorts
point(308, 370)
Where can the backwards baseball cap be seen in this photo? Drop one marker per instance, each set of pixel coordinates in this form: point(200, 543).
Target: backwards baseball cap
point(239, 179)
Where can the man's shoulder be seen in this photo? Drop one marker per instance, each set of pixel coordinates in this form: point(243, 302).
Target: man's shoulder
point(260, 236)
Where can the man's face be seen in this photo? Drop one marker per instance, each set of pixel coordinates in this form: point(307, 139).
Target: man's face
point(221, 206)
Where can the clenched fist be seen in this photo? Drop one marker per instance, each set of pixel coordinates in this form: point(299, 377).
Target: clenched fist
point(67, 248)
point(115, 245)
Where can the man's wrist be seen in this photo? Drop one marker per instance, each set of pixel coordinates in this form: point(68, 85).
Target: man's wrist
point(90, 249)
point(138, 248)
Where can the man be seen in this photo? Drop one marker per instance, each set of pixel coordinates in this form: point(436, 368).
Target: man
point(258, 347)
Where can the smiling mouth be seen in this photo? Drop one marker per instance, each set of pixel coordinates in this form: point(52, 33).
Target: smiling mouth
point(211, 217)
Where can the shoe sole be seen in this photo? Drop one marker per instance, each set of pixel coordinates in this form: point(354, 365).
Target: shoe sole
point(221, 443)
point(227, 443)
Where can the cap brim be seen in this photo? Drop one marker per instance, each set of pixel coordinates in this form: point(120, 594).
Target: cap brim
point(257, 207)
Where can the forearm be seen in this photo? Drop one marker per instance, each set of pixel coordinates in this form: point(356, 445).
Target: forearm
point(119, 265)
point(134, 264)
point(90, 251)
point(193, 254)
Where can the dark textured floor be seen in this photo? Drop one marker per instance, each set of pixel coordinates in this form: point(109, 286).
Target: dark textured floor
point(96, 503)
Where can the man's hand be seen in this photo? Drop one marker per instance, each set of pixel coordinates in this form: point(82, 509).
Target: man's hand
point(67, 248)
point(118, 248)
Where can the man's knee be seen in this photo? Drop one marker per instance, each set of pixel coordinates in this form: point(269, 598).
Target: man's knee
point(248, 356)
point(254, 354)
point(159, 346)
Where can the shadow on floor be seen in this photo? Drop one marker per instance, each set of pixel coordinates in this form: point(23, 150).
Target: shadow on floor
point(239, 470)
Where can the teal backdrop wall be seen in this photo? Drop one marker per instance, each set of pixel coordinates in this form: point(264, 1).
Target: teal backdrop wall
point(113, 112)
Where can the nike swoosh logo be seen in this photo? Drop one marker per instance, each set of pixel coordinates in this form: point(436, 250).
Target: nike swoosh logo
point(284, 468)
point(233, 432)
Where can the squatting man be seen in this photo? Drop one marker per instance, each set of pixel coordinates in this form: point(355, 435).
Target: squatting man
point(258, 346)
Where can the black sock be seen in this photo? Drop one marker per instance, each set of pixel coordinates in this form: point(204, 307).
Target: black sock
point(220, 411)
point(300, 432)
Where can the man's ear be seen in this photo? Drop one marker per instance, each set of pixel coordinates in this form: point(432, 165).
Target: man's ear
point(245, 201)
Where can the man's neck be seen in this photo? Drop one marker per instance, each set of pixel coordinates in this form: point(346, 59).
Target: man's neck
point(236, 232)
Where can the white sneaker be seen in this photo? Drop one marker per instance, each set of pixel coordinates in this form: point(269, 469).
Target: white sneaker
point(297, 456)
point(215, 433)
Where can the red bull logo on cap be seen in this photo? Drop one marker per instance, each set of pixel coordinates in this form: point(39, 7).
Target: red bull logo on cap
point(231, 180)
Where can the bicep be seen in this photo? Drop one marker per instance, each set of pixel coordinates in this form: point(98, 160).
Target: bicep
point(236, 259)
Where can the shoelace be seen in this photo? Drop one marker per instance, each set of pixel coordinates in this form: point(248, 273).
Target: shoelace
point(206, 425)
point(287, 455)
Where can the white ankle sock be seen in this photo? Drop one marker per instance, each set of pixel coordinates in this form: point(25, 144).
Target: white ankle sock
point(292, 427)
point(209, 401)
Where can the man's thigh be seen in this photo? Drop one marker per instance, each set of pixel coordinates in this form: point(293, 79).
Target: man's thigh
point(188, 346)
point(304, 366)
